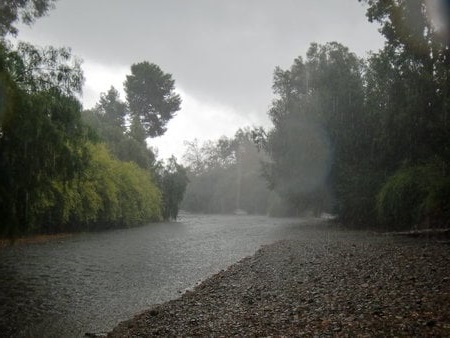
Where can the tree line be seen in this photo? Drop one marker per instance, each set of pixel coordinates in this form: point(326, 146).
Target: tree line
point(66, 169)
point(366, 139)
point(225, 176)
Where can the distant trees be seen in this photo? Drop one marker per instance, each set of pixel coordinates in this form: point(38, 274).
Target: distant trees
point(225, 175)
point(173, 180)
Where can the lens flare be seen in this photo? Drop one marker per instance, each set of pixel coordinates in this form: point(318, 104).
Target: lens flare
point(310, 159)
point(438, 14)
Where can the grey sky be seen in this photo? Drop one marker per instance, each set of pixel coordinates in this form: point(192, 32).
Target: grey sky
point(221, 53)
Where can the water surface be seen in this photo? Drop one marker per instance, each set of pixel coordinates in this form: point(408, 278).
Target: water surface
point(90, 282)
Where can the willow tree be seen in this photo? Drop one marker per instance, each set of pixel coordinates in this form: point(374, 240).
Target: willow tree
point(42, 138)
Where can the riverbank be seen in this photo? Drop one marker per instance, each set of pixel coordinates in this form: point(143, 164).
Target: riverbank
point(347, 285)
point(36, 239)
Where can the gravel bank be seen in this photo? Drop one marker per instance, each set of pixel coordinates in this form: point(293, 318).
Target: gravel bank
point(328, 283)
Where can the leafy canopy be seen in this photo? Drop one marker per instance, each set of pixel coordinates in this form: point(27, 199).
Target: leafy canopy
point(12, 11)
point(151, 97)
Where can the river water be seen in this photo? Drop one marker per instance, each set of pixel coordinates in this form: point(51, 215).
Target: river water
point(89, 282)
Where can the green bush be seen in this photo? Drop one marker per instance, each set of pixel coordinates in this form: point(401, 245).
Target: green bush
point(415, 197)
point(108, 193)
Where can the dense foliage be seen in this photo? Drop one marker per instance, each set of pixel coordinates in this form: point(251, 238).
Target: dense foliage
point(172, 180)
point(64, 169)
point(127, 141)
point(108, 120)
point(25, 11)
point(53, 176)
point(151, 97)
point(315, 117)
point(367, 139)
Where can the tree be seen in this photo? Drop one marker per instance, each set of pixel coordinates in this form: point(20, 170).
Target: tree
point(408, 99)
point(108, 120)
point(316, 115)
point(137, 131)
point(151, 97)
point(194, 156)
point(172, 181)
point(112, 108)
point(416, 63)
point(52, 177)
point(38, 69)
point(42, 140)
point(225, 175)
point(26, 11)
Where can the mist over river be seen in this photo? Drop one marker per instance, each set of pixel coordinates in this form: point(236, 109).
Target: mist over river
point(89, 282)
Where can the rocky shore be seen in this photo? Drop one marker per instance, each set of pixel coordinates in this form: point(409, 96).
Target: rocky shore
point(329, 284)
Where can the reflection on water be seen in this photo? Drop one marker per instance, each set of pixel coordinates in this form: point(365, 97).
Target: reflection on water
point(90, 282)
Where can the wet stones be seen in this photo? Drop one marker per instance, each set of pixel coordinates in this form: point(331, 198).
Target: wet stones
point(346, 287)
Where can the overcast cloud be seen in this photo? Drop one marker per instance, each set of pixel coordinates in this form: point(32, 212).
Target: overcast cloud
point(221, 53)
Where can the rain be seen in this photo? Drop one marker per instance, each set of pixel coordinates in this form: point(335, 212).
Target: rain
point(234, 168)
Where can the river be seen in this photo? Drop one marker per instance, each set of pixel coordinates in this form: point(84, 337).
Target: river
point(89, 282)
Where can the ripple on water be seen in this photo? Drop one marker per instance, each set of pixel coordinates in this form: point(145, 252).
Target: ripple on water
point(90, 282)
